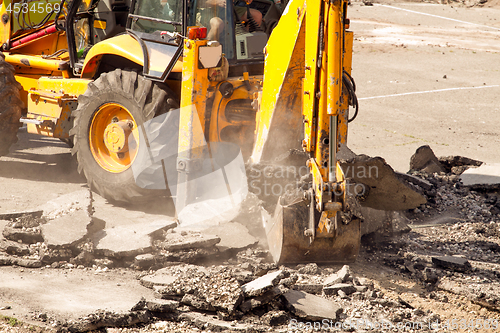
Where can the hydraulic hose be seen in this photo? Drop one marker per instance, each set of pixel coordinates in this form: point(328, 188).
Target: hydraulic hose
point(350, 85)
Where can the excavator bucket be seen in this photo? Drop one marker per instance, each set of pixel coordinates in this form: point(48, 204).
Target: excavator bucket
point(288, 242)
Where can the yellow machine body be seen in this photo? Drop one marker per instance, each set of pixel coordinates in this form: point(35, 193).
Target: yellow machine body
point(298, 101)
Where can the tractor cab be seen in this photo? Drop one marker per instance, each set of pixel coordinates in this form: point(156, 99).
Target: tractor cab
point(159, 26)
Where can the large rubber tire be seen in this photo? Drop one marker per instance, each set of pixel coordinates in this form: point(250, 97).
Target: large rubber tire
point(143, 99)
point(11, 106)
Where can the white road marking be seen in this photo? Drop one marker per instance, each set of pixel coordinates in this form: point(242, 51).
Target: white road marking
point(428, 91)
point(441, 17)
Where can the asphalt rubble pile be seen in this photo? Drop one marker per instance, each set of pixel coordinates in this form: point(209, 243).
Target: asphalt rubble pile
point(259, 298)
point(453, 243)
point(215, 281)
point(69, 233)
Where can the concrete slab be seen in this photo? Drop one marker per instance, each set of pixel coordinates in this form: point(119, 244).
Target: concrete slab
point(311, 307)
point(486, 174)
point(69, 229)
point(233, 236)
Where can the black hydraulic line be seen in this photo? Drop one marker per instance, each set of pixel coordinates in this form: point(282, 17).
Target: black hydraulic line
point(350, 79)
point(350, 86)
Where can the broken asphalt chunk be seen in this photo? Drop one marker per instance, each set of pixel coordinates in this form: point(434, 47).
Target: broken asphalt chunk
point(383, 222)
point(69, 229)
point(454, 263)
point(36, 214)
point(127, 232)
point(14, 248)
point(311, 307)
point(458, 164)
point(28, 236)
point(67, 203)
point(335, 288)
point(262, 284)
point(275, 318)
point(425, 160)
point(217, 287)
point(197, 302)
point(162, 305)
point(425, 184)
point(6, 260)
point(263, 299)
point(128, 240)
point(233, 236)
point(340, 277)
point(144, 261)
point(212, 323)
point(188, 240)
point(486, 295)
point(168, 276)
point(379, 185)
point(308, 288)
point(485, 177)
point(103, 319)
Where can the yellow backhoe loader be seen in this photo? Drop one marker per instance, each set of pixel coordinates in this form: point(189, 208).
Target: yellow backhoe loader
point(138, 90)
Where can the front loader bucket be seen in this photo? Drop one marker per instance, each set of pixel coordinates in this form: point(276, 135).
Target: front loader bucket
point(288, 244)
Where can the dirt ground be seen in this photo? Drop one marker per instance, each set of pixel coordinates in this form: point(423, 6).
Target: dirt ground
point(421, 79)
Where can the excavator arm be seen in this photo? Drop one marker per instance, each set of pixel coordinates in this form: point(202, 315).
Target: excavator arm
point(303, 99)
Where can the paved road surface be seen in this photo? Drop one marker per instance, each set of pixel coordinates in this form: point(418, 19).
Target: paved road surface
point(426, 74)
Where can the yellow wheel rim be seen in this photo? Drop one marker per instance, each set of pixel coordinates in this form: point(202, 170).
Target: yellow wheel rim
point(113, 137)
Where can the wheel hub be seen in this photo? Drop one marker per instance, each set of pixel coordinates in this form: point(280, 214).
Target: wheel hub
point(113, 137)
point(116, 136)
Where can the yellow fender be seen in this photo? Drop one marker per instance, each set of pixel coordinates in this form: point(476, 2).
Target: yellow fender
point(124, 46)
